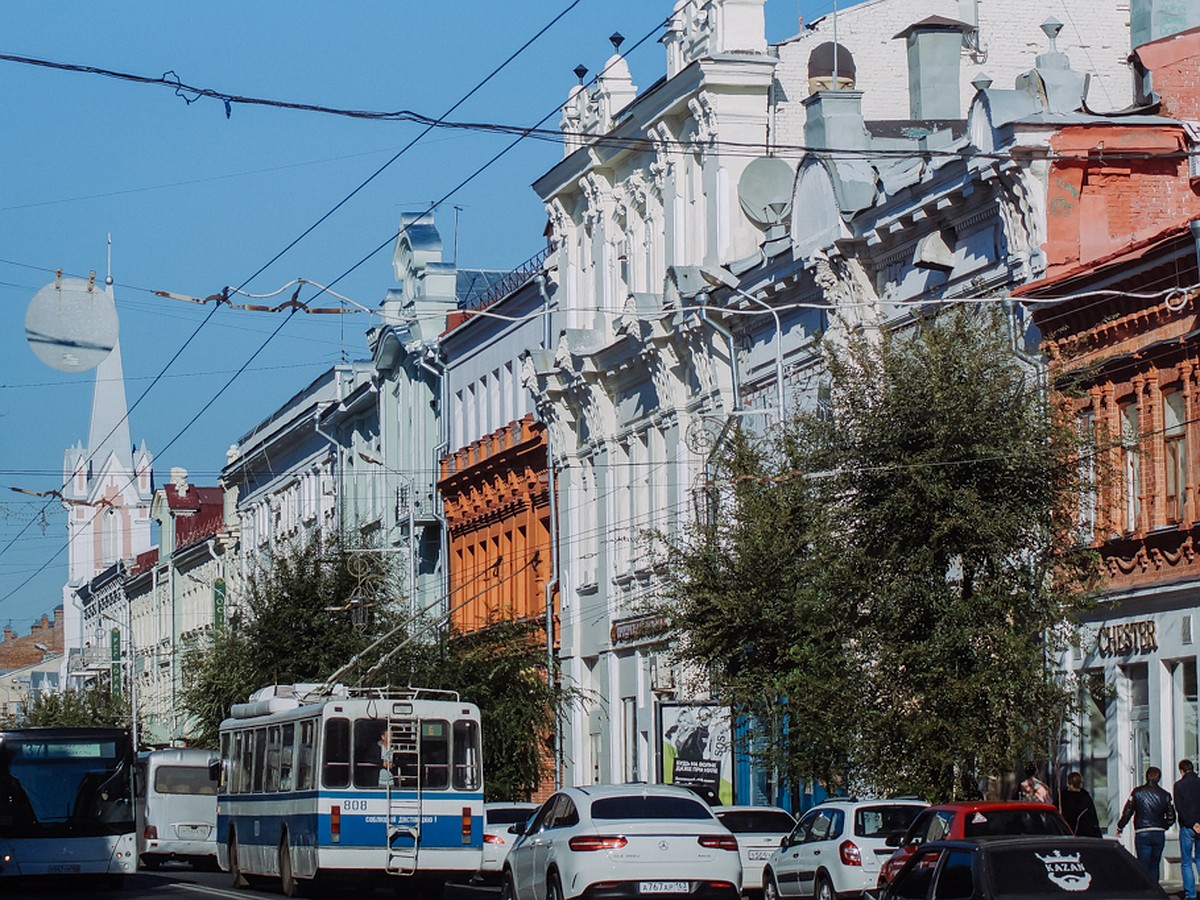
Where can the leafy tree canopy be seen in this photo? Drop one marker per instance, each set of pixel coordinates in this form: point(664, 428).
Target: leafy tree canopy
point(885, 583)
point(88, 708)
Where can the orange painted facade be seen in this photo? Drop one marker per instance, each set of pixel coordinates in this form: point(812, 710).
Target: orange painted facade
point(496, 494)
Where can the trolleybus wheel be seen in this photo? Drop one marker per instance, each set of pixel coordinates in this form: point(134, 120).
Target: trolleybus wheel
point(286, 878)
point(235, 869)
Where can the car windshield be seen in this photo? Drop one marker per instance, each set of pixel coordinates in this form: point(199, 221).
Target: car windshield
point(880, 821)
point(757, 821)
point(1099, 870)
point(508, 815)
point(649, 807)
point(1013, 821)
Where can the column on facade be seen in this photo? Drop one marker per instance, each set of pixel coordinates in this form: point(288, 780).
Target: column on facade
point(1187, 373)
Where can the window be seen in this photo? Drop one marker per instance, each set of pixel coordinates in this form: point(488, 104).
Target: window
point(565, 814)
point(306, 755)
point(826, 825)
point(1131, 467)
point(226, 761)
point(260, 757)
point(913, 883)
point(245, 761)
point(435, 755)
point(466, 756)
point(184, 780)
point(286, 756)
point(880, 821)
point(369, 751)
point(271, 778)
point(335, 772)
point(649, 806)
point(1175, 456)
point(955, 881)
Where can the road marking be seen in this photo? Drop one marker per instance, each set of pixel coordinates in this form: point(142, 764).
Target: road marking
point(205, 889)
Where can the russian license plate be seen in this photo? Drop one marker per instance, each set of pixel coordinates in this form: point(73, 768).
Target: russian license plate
point(760, 854)
point(63, 869)
point(663, 887)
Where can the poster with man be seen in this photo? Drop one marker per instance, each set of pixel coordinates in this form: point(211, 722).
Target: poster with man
point(696, 749)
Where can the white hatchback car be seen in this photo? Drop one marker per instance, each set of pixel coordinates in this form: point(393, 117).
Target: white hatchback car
point(497, 839)
point(621, 842)
point(759, 830)
point(836, 849)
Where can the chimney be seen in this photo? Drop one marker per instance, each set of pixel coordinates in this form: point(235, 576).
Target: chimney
point(934, 49)
point(834, 120)
point(8, 633)
point(1150, 20)
point(179, 480)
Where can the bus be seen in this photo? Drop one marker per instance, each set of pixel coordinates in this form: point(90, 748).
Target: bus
point(66, 803)
point(318, 782)
point(177, 807)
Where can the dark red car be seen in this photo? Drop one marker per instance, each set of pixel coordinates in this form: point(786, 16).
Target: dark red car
point(971, 819)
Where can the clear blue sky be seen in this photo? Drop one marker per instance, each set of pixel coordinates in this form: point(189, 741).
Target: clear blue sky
point(195, 201)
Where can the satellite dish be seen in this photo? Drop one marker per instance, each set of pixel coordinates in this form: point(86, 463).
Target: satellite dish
point(71, 325)
point(765, 191)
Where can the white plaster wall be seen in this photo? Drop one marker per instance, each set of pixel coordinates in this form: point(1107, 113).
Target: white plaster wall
point(1095, 36)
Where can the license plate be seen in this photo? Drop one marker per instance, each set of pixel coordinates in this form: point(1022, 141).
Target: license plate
point(760, 854)
point(663, 887)
point(63, 869)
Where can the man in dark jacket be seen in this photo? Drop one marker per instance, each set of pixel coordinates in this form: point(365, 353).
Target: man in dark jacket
point(1079, 810)
point(1187, 805)
point(1153, 813)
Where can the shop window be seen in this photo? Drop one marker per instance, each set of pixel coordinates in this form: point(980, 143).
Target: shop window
point(1095, 706)
point(1138, 677)
point(1184, 705)
point(1175, 455)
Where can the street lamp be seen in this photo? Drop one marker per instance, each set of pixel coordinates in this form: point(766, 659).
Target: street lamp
point(694, 280)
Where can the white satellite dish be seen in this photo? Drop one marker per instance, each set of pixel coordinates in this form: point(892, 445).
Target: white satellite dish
point(71, 324)
point(765, 191)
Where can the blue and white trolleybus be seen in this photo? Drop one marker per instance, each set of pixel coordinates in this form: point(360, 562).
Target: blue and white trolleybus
point(324, 782)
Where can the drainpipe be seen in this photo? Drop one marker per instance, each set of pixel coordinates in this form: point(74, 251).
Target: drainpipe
point(552, 582)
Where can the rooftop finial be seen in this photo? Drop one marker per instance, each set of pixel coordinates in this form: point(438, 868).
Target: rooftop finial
point(1051, 27)
point(617, 40)
point(580, 72)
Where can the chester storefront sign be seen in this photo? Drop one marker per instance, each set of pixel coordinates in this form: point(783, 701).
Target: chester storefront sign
point(1128, 638)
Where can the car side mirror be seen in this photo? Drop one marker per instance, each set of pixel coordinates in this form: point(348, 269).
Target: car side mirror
point(894, 839)
point(214, 770)
point(516, 828)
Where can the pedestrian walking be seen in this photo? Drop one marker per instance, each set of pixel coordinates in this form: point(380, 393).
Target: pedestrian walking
point(1187, 806)
point(1032, 789)
point(1080, 811)
point(1153, 812)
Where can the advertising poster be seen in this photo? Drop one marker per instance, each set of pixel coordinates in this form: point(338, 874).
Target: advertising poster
point(696, 744)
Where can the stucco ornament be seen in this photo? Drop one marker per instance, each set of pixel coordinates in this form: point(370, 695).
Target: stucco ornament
point(663, 165)
point(705, 120)
point(593, 191)
point(1022, 210)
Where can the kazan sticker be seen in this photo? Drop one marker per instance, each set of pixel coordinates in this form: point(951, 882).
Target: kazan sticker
point(1066, 871)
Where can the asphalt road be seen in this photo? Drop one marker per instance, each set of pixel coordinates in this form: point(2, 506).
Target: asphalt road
point(180, 883)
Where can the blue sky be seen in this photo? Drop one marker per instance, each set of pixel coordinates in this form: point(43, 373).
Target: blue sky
point(195, 201)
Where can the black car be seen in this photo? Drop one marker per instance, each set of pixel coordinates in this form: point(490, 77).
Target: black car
point(1041, 867)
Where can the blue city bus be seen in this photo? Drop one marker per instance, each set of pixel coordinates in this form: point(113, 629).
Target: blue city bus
point(318, 781)
point(66, 803)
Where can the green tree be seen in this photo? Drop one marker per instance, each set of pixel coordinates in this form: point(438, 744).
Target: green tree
point(89, 707)
point(925, 575)
point(308, 610)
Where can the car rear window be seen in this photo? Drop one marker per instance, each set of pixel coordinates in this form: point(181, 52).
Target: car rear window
point(1012, 821)
point(508, 815)
point(884, 819)
point(649, 807)
point(767, 821)
point(1101, 870)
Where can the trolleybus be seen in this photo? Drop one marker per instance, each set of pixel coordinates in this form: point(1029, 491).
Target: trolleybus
point(318, 780)
point(66, 803)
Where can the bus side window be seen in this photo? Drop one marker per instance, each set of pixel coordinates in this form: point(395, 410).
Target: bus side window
point(466, 755)
point(369, 751)
point(435, 755)
point(244, 749)
point(271, 779)
point(226, 761)
point(260, 754)
point(285, 757)
point(336, 769)
point(308, 742)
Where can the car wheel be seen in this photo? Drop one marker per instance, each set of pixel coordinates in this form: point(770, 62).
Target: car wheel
point(770, 888)
point(824, 889)
point(508, 888)
point(553, 887)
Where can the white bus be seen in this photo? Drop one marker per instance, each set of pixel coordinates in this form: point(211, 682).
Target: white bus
point(318, 781)
point(66, 803)
point(177, 807)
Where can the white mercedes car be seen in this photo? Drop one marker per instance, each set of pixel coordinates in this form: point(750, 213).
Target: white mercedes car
point(621, 842)
point(497, 839)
